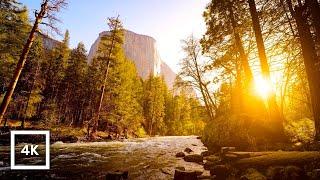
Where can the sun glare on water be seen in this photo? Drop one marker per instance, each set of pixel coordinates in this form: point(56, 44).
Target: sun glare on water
point(263, 87)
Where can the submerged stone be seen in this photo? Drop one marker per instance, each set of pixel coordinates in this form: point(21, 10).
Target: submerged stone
point(185, 175)
point(188, 150)
point(180, 154)
point(117, 175)
point(220, 171)
point(253, 174)
point(193, 158)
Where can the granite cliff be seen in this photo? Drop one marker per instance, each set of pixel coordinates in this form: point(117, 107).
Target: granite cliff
point(142, 50)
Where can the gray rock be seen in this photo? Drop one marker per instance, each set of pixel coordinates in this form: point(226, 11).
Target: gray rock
point(188, 150)
point(206, 153)
point(220, 171)
point(117, 175)
point(180, 154)
point(199, 173)
point(193, 158)
point(252, 174)
point(185, 175)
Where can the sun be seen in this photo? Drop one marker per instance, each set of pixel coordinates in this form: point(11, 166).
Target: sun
point(263, 87)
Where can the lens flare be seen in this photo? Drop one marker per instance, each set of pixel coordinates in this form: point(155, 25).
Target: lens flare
point(263, 87)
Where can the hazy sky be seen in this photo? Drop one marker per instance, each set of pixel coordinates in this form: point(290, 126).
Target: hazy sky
point(168, 21)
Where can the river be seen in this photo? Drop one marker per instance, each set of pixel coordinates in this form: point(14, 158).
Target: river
point(143, 158)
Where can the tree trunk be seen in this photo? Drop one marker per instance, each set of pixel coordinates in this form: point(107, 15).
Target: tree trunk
point(275, 114)
point(240, 49)
point(96, 118)
point(22, 60)
point(315, 15)
point(310, 60)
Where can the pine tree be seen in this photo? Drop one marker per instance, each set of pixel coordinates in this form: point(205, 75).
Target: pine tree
point(53, 72)
point(154, 105)
point(72, 97)
point(109, 46)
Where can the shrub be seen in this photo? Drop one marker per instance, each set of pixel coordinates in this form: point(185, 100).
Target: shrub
point(301, 130)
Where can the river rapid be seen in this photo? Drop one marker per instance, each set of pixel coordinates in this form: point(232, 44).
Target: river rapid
point(144, 158)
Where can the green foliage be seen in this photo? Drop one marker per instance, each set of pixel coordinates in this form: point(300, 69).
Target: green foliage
point(227, 131)
point(154, 105)
point(141, 132)
point(14, 26)
point(184, 115)
point(301, 130)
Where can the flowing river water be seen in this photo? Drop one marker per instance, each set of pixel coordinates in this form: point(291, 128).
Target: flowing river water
point(144, 158)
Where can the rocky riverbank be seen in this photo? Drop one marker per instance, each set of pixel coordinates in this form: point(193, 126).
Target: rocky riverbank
point(231, 164)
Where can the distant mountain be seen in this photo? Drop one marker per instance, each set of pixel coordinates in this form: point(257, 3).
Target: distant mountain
point(142, 50)
point(48, 42)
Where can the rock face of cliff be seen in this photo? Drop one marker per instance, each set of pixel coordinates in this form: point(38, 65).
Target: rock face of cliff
point(142, 50)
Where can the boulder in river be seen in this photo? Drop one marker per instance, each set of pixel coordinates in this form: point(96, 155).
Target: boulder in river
point(180, 154)
point(253, 174)
point(188, 150)
point(117, 175)
point(220, 171)
point(185, 175)
point(193, 158)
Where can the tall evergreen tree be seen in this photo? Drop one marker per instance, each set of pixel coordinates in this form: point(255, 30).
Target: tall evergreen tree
point(109, 46)
point(154, 105)
point(72, 97)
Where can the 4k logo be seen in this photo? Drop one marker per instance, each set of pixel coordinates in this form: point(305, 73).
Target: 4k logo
point(25, 150)
point(29, 150)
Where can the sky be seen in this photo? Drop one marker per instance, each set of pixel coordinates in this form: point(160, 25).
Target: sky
point(168, 21)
